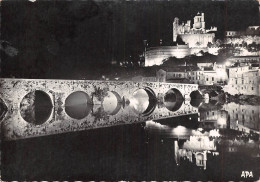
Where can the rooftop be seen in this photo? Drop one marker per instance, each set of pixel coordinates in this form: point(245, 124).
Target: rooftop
point(179, 68)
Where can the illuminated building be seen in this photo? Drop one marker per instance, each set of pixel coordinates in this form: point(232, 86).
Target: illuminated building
point(243, 80)
point(196, 39)
point(244, 117)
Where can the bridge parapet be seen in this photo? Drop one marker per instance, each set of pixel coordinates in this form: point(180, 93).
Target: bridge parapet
point(13, 90)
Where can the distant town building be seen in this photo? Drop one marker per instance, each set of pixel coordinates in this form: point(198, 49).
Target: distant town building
point(214, 119)
point(144, 78)
point(214, 75)
point(172, 75)
point(253, 30)
point(196, 150)
point(243, 80)
point(202, 65)
point(244, 59)
point(250, 31)
point(231, 33)
point(244, 118)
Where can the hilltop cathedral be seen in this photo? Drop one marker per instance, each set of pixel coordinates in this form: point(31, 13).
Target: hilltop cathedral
point(197, 36)
point(196, 39)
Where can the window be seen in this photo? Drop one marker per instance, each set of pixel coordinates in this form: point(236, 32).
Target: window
point(207, 79)
point(252, 88)
point(212, 78)
point(201, 162)
point(253, 111)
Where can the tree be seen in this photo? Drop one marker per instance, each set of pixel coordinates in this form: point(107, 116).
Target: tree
point(99, 93)
point(100, 114)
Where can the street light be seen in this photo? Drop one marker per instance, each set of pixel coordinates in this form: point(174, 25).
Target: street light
point(228, 64)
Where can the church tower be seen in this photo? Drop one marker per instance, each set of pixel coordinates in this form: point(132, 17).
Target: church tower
point(175, 29)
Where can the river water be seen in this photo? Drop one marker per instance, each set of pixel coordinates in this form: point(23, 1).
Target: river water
point(220, 142)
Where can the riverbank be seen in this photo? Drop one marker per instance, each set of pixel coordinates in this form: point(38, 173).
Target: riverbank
point(243, 99)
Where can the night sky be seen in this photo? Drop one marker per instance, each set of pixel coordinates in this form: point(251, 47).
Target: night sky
point(57, 38)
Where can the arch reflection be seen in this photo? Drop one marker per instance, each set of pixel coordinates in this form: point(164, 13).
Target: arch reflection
point(77, 105)
point(173, 99)
point(36, 107)
point(143, 101)
point(112, 103)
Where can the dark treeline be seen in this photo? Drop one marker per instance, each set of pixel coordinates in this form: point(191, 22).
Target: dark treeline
point(71, 39)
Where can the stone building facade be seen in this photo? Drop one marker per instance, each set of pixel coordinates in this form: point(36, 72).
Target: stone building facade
point(243, 80)
point(244, 59)
point(244, 117)
point(215, 75)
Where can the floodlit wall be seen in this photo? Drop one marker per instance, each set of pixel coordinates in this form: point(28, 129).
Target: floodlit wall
point(155, 55)
point(198, 40)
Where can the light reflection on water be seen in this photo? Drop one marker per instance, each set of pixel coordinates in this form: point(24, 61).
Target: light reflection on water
point(190, 142)
point(229, 129)
point(139, 101)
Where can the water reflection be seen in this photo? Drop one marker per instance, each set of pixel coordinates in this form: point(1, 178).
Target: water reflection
point(230, 129)
point(36, 107)
point(196, 98)
point(219, 142)
point(111, 104)
point(139, 101)
point(77, 105)
point(3, 109)
point(173, 99)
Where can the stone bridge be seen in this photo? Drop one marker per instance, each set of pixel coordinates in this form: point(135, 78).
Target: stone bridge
point(13, 92)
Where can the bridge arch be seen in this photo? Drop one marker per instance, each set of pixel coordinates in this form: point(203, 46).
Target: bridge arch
point(77, 105)
point(36, 107)
point(152, 101)
point(173, 99)
point(196, 98)
point(3, 109)
point(143, 101)
point(112, 103)
point(49, 92)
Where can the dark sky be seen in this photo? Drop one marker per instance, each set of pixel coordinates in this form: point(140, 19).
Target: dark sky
point(70, 35)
